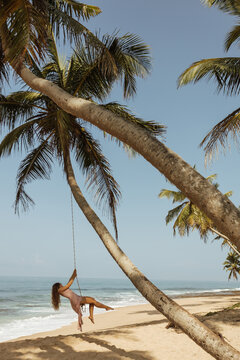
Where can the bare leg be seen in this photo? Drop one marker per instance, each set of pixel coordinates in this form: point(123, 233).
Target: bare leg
point(90, 300)
point(91, 308)
point(80, 322)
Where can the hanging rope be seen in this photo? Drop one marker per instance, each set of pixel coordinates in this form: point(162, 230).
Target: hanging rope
point(74, 245)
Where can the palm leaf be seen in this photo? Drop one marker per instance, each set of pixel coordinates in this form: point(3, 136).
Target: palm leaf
point(229, 6)
point(25, 24)
point(151, 126)
point(225, 71)
point(181, 222)
point(132, 59)
point(74, 8)
point(3, 66)
point(232, 37)
point(18, 139)
point(176, 196)
point(24, 29)
point(85, 78)
point(36, 165)
point(18, 106)
point(173, 213)
point(220, 133)
point(89, 156)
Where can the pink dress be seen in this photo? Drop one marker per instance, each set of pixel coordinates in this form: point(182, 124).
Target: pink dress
point(75, 301)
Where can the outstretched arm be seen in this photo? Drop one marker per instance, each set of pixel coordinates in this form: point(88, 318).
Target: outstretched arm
point(70, 281)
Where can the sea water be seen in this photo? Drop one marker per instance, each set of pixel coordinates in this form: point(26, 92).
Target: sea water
point(25, 302)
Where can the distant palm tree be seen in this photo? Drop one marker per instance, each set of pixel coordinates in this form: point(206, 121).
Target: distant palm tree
point(189, 217)
point(232, 264)
point(226, 73)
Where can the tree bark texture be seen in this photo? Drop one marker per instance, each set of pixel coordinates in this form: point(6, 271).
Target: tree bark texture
point(212, 202)
point(197, 331)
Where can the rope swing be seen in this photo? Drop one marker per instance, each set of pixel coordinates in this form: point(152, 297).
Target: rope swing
point(74, 245)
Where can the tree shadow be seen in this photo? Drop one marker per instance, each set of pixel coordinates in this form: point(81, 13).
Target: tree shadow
point(58, 348)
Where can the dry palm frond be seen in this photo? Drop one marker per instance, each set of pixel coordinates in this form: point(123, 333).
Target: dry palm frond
point(220, 133)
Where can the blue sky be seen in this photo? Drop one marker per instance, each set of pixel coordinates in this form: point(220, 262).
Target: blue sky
point(39, 242)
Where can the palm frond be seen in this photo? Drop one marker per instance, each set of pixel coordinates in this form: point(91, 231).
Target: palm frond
point(85, 78)
point(232, 37)
point(3, 67)
point(211, 178)
point(225, 71)
point(181, 223)
point(24, 29)
point(55, 69)
point(74, 9)
point(176, 196)
point(229, 6)
point(19, 106)
point(198, 220)
point(36, 165)
point(116, 58)
point(173, 213)
point(89, 156)
point(18, 139)
point(151, 126)
point(220, 133)
point(132, 59)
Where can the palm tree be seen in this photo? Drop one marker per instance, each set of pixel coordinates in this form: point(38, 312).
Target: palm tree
point(225, 72)
point(142, 141)
point(198, 190)
point(32, 118)
point(189, 217)
point(232, 264)
point(58, 133)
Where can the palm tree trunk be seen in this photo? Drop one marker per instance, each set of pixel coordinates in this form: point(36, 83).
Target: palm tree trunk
point(197, 331)
point(195, 187)
point(225, 238)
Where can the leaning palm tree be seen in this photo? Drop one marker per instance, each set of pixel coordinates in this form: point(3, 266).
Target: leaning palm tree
point(226, 73)
point(163, 159)
point(33, 118)
point(189, 217)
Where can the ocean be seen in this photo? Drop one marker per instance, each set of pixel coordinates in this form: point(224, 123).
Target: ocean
point(25, 302)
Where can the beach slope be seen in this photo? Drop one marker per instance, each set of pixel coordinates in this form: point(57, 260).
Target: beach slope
point(133, 332)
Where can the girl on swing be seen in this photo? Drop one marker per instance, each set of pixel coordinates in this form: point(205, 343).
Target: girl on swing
point(75, 300)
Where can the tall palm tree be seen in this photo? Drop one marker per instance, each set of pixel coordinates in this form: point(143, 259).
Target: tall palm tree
point(200, 191)
point(189, 217)
point(32, 118)
point(58, 133)
point(226, 73)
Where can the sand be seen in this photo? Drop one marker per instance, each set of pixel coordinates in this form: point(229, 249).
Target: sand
point(133, 332)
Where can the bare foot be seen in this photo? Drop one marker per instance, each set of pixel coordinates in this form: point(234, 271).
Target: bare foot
point(109, 308)
point(92, 320)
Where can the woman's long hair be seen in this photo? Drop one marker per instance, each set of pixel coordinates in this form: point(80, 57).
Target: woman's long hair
point(56, 296)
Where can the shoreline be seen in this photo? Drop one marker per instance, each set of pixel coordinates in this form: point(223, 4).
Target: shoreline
point(85, 315)
point(131, 332)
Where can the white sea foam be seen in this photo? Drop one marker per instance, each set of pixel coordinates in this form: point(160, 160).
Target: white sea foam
point(35, 324)
point(27, 310)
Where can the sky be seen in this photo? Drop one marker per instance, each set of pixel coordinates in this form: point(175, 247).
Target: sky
point(39, 242)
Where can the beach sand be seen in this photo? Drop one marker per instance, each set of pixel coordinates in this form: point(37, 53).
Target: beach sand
point(133, 332)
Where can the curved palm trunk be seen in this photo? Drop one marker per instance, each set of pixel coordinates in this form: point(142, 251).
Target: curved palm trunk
point(195, 187)
point(197, 331)
point(227, 240)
